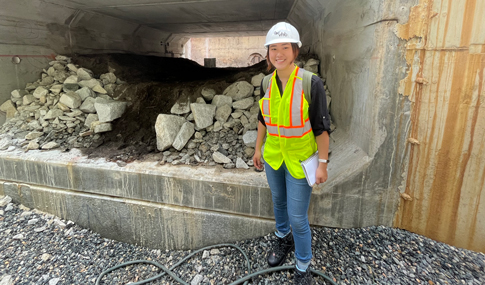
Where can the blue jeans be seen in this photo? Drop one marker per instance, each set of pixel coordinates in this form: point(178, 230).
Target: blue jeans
point(291, 199)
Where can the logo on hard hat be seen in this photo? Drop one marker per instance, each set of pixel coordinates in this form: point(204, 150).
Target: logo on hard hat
point(281, 33)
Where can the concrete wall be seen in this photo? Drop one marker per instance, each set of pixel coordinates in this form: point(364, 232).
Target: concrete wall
point(36, 30)
point(445, 51)
point(156, 206)
point(228, 51)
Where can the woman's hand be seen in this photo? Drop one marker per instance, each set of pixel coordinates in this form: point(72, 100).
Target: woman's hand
point(321, 175)
point(257, 160)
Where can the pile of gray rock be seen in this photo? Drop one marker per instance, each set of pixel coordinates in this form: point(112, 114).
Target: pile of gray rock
point(216, 128)
point(67, 107)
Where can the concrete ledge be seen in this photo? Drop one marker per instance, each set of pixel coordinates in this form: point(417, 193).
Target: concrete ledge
point(166, 206)
point(152, 225)
point(208, 188)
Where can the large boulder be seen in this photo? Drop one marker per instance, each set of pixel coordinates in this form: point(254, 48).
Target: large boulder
point(239, 90)
point(220, 100)
point(223, 112)
point(40, 91)
point(108, 78)
point(85, 92)
point(109, 110)
point(91, 83)
point(249, 138)
point(72, 67)
point(312, 65)
point(167, 127)
point(203, 114)
point(180, 108)
point(33, 135)
point(53, 113)
point(91, 118)
point(110, 89)
point(220, 158)
point(47, 80)
point(99, 89)
point(243, 104)
point(56, 89)
point(50, 145)
point(208, 93)
point(27, 99)
point(71, 100)
point(100, 127)
point(61, 75)
point(256, 80)
point(84, 74)
point(241, 164)
point(9, 108)
point(17, 95)
point(184, 135)
point(88, 105)
point(71, 83)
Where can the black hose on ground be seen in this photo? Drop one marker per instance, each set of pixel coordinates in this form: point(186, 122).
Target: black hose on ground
point(175, 277)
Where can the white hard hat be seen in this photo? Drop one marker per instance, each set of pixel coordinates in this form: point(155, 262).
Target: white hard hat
point(282, 33)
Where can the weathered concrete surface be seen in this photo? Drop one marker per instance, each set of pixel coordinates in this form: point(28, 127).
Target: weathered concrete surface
point(172, 195)
point(153, 225)
point(445, 53)
point(361, 59)
point(155, 206)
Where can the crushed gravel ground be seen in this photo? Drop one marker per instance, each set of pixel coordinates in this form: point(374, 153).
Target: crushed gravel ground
point(39, 248)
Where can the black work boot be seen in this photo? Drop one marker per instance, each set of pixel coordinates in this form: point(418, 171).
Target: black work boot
point(277, 255)
point(303, 278)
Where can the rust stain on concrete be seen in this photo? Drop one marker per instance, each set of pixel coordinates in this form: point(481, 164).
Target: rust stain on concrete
point(414, 31)
point(417, 24)
point(446, 174)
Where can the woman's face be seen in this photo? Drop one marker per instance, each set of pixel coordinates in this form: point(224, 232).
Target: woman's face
point(281, 55)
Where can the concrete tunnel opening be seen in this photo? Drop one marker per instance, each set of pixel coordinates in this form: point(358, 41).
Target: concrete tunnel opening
point(360, 60)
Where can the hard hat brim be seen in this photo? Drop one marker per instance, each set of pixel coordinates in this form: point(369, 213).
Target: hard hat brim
point(277, 41)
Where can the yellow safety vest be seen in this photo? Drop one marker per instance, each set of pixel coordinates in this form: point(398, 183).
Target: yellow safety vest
point(290, 137)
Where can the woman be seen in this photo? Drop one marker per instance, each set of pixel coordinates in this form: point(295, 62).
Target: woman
point(294, 130)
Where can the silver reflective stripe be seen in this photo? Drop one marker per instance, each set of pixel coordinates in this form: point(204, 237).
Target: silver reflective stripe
point(295, 132)
point(296, 111)
point(267, 119)
point(266, 107)
point(272, 130)
point(300, 73)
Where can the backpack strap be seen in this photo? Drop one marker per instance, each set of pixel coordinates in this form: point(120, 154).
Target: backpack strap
point(266, 82)
point(307, 86)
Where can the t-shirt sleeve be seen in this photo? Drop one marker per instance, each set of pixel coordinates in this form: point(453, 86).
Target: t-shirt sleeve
point(318, 112)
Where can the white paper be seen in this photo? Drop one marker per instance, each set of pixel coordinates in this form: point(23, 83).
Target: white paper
point(310, 166)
